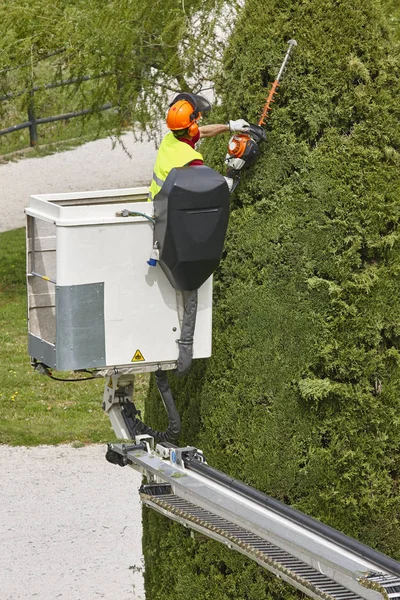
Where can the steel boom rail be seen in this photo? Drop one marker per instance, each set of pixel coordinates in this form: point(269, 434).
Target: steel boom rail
point(381, 560)
point(313, 557)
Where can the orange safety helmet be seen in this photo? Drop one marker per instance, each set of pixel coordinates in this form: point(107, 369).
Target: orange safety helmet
point(184, 112)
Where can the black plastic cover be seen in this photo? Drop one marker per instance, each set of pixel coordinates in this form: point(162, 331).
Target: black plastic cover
point(191, 213)
point(257, 133)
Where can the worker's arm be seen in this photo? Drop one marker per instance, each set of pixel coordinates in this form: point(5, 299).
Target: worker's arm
point(212, 130)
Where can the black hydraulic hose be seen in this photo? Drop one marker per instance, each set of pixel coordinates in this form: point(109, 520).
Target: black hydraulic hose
point(185, 342)
point(379, 559)
point(174, 420)
point(171, 434)
point(44, 370)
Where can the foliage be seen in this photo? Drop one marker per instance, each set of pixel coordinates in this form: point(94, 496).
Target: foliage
point(147, 50)
point(392, 9)
point(301, 396)
point(34, 409)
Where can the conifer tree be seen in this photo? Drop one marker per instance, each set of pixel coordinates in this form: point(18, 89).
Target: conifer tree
point(301, 397)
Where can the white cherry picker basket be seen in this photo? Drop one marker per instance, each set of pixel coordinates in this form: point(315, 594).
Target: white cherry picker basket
point(93, 300)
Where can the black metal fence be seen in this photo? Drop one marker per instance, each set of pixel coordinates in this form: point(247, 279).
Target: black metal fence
point(33, 121)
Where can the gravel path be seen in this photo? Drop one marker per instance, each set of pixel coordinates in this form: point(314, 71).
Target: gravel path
point(93, 166)
point(70, 526)
point(70, 523)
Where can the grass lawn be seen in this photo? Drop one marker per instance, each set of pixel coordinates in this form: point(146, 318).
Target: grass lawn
point(33, 408)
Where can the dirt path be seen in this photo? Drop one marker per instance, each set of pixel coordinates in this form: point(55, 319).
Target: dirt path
point(93, 166)
point(70, 526)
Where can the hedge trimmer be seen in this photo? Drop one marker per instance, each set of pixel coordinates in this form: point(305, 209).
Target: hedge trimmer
point(243, 147)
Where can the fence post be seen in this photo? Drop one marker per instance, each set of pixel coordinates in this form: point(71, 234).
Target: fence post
point(33, 135)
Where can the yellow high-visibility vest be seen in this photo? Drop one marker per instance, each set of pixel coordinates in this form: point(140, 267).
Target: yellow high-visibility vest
point(172, 153)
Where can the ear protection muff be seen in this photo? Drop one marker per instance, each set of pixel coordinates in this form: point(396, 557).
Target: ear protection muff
point(193, 129)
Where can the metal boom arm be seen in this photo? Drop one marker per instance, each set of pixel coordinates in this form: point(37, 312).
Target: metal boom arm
point(316, 559)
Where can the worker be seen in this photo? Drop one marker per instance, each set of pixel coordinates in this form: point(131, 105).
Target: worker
point(177, 149)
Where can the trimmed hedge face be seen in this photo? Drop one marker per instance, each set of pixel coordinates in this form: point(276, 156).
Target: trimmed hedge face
point(301, 397)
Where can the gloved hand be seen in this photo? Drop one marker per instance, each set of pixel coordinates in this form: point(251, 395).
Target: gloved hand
point(239, 125)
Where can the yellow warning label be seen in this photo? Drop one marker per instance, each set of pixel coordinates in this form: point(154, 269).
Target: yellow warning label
point(110, 383)
point(138, 356)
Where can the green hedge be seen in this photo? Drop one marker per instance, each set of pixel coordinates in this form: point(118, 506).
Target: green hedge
point(302, 395)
